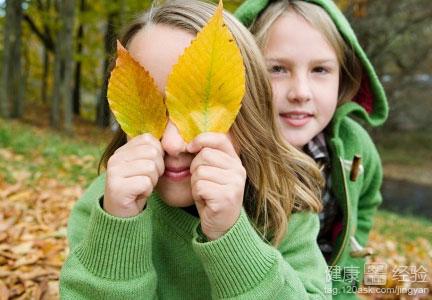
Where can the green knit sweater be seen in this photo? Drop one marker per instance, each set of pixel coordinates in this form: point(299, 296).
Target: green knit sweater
point(160, 254)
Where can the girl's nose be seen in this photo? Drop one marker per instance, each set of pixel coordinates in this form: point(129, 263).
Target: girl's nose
point(300, 90)
point(172, 142)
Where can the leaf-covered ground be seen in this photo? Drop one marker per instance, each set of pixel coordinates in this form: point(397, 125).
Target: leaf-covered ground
point(42, 173)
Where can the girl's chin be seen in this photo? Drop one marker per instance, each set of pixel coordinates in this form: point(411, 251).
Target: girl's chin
point(178, 202)
point(175, 195)
point(299, 140)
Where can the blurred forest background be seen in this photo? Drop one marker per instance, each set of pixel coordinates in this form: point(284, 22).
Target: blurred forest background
point(55, 122)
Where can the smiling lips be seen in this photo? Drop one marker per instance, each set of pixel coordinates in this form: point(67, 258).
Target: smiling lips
point(177, 173)
point(296, 118)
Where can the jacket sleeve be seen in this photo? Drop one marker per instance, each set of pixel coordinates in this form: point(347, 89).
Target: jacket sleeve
point(370, 196)
point(240, 265)
point(110, 257)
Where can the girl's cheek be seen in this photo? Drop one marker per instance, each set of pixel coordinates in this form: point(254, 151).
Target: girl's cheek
point(279, 90)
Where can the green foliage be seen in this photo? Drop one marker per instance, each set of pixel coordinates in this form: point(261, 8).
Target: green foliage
point(94, 18)
point(398, 46)
point(230, 5)
point(5, 137)
point(402, 229)
point(46, 154)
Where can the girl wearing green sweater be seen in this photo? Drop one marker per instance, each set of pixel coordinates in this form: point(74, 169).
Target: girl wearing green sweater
point(321, 77)
point(225, 216)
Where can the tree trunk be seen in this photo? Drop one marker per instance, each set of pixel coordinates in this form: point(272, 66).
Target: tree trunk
point(55, 94)
point(103, 112)
point(46, 69)
point(11, 86)
point(77, 77)
point(45, 37)
point(25, 73)
point(63, 83)
point(77, 88)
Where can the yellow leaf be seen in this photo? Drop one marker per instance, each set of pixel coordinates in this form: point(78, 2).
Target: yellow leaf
point(206, 86)
point(134, 98)
point(343, 4)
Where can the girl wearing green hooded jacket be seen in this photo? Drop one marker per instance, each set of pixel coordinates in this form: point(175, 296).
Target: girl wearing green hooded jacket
point(321, 77)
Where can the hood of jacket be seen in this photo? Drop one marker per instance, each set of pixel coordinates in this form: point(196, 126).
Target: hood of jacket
point(370, 102)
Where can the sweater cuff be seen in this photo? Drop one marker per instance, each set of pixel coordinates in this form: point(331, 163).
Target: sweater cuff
point(116, 248)
point(236, 262)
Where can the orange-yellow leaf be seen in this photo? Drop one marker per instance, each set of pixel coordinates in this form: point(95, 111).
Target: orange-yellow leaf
point(342, 4)
point(134, 98)
point(206, 86)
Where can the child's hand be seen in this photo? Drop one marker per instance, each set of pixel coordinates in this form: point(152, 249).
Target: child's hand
point(132, 172)
point(218, 182)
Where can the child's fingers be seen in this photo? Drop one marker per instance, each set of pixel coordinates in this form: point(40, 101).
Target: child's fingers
point(134, 151)
point(215, 158)
point(137, 185)
point(140, 185)
point(212, 140)
point(142, 167)
point(143, 139)
point(204, 191)
point(138, 152)
point(213, 174)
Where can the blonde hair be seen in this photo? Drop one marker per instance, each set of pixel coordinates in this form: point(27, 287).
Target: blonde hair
point(351, 71)
point(280, 179)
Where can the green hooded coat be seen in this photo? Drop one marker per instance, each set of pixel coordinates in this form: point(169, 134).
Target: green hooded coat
point(358, 196)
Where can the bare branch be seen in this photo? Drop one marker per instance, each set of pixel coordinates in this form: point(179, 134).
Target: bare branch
point(45, 37)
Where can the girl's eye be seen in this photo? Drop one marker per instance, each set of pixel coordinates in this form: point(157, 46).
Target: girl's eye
point(321, 70)
point(277, 69)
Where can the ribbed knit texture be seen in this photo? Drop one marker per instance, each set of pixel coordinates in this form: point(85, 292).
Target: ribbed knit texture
point(109, 251)
point(159, 255)
point(227, 260)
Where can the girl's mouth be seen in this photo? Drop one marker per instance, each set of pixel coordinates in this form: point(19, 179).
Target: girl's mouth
point(177, 173)
point(296, 119)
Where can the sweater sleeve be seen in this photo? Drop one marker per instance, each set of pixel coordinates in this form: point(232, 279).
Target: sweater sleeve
point(240, 265)
point(111, 259)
